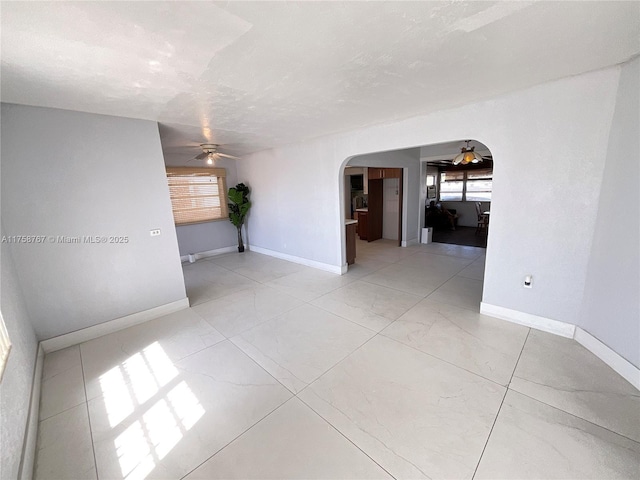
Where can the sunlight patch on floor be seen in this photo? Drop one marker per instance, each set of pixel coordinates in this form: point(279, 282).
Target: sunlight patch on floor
point(145, 396)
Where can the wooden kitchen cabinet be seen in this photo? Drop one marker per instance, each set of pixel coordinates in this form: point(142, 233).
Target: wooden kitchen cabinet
point(376, 173)
point(374, 215)
point(351, 243)
point(363, 225)
point(392, 172)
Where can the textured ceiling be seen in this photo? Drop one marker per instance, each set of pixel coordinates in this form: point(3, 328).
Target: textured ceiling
point(254, 75)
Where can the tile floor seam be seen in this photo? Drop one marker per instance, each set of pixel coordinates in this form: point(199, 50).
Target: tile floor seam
point(236, 437)
point(60, 372)
point(369, 434)
point(61, 411)
point(346, 438)
point(86, 397)
point(364, 279)
point(277, 363)
point(356, 323)
point(575, 416)
point(261, 367)
point(439, 286)
point(442, 360)
point(495, 420)
point(334, 366)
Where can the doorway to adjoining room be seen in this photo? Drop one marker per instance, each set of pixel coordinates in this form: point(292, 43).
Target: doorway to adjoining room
point(457, 183)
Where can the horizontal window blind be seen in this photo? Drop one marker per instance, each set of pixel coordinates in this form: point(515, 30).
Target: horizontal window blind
point(197, 194)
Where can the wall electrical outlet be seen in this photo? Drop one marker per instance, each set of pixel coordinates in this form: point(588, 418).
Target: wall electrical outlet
point(528, 281)
point(155, 233)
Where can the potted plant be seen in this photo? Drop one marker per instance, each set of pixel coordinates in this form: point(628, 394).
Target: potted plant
point(238, 207)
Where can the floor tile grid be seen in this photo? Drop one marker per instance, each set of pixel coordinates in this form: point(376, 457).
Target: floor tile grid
point(574, 414)
point(444, 360)
point(376, 332)
point(294, 395)
point(495, 420)
point(86, 404)
point(363, 278)
point(244, 431)
point(230, 441)
point(499, 409)
point(297, 395)
point(336, 365)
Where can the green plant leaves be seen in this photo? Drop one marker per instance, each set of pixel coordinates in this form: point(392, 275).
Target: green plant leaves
point(240, 204)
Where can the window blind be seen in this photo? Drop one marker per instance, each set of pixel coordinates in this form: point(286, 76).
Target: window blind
point(197, 194)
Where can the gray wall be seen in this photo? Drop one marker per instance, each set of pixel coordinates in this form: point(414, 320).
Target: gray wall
point(74, 174)
point(611, 306)
point(203, 237)
point(548, 143)
point(15, 389)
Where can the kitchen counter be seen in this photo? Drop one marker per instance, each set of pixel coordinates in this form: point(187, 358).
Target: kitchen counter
point(362, 209)
point(350, 226)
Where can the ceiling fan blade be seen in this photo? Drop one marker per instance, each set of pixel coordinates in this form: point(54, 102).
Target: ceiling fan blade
point(227, 156)
point(201, 156)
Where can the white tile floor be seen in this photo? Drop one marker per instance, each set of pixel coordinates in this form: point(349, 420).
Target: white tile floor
point(283, 371)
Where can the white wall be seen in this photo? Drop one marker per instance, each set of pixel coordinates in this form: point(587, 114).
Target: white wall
point(611, 307)
point(15, 389)
point(203, 237)
point(548, 144)
point(74, 174)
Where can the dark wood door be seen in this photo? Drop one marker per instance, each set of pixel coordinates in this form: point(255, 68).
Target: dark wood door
point(400, 206)
point(375, 210)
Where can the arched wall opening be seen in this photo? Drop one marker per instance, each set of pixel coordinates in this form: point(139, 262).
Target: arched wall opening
point(416, 164)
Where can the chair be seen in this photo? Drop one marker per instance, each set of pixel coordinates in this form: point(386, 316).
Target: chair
point(483, 220)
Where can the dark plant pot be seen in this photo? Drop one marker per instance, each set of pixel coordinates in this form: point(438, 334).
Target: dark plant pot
point(240, 241)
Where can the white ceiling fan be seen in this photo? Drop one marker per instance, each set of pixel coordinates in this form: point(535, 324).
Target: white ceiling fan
point(211, 153)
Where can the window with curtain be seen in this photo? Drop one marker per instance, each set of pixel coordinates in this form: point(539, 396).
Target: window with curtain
point(197, 194)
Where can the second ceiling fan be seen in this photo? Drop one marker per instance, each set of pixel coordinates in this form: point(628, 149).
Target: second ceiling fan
point(211, 153)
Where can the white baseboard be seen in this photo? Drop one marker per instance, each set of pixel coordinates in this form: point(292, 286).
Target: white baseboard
point(210, 253)
point(302, 261)
point(623, 367)
point(89, 333)
point(27, 461)
point(412, 241)
point(534, 321)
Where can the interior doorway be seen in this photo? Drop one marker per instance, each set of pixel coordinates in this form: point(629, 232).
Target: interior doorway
point(457, 198)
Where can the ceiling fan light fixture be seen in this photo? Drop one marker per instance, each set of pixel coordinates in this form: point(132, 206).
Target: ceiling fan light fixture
point(467, 155)
point(211, 158)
